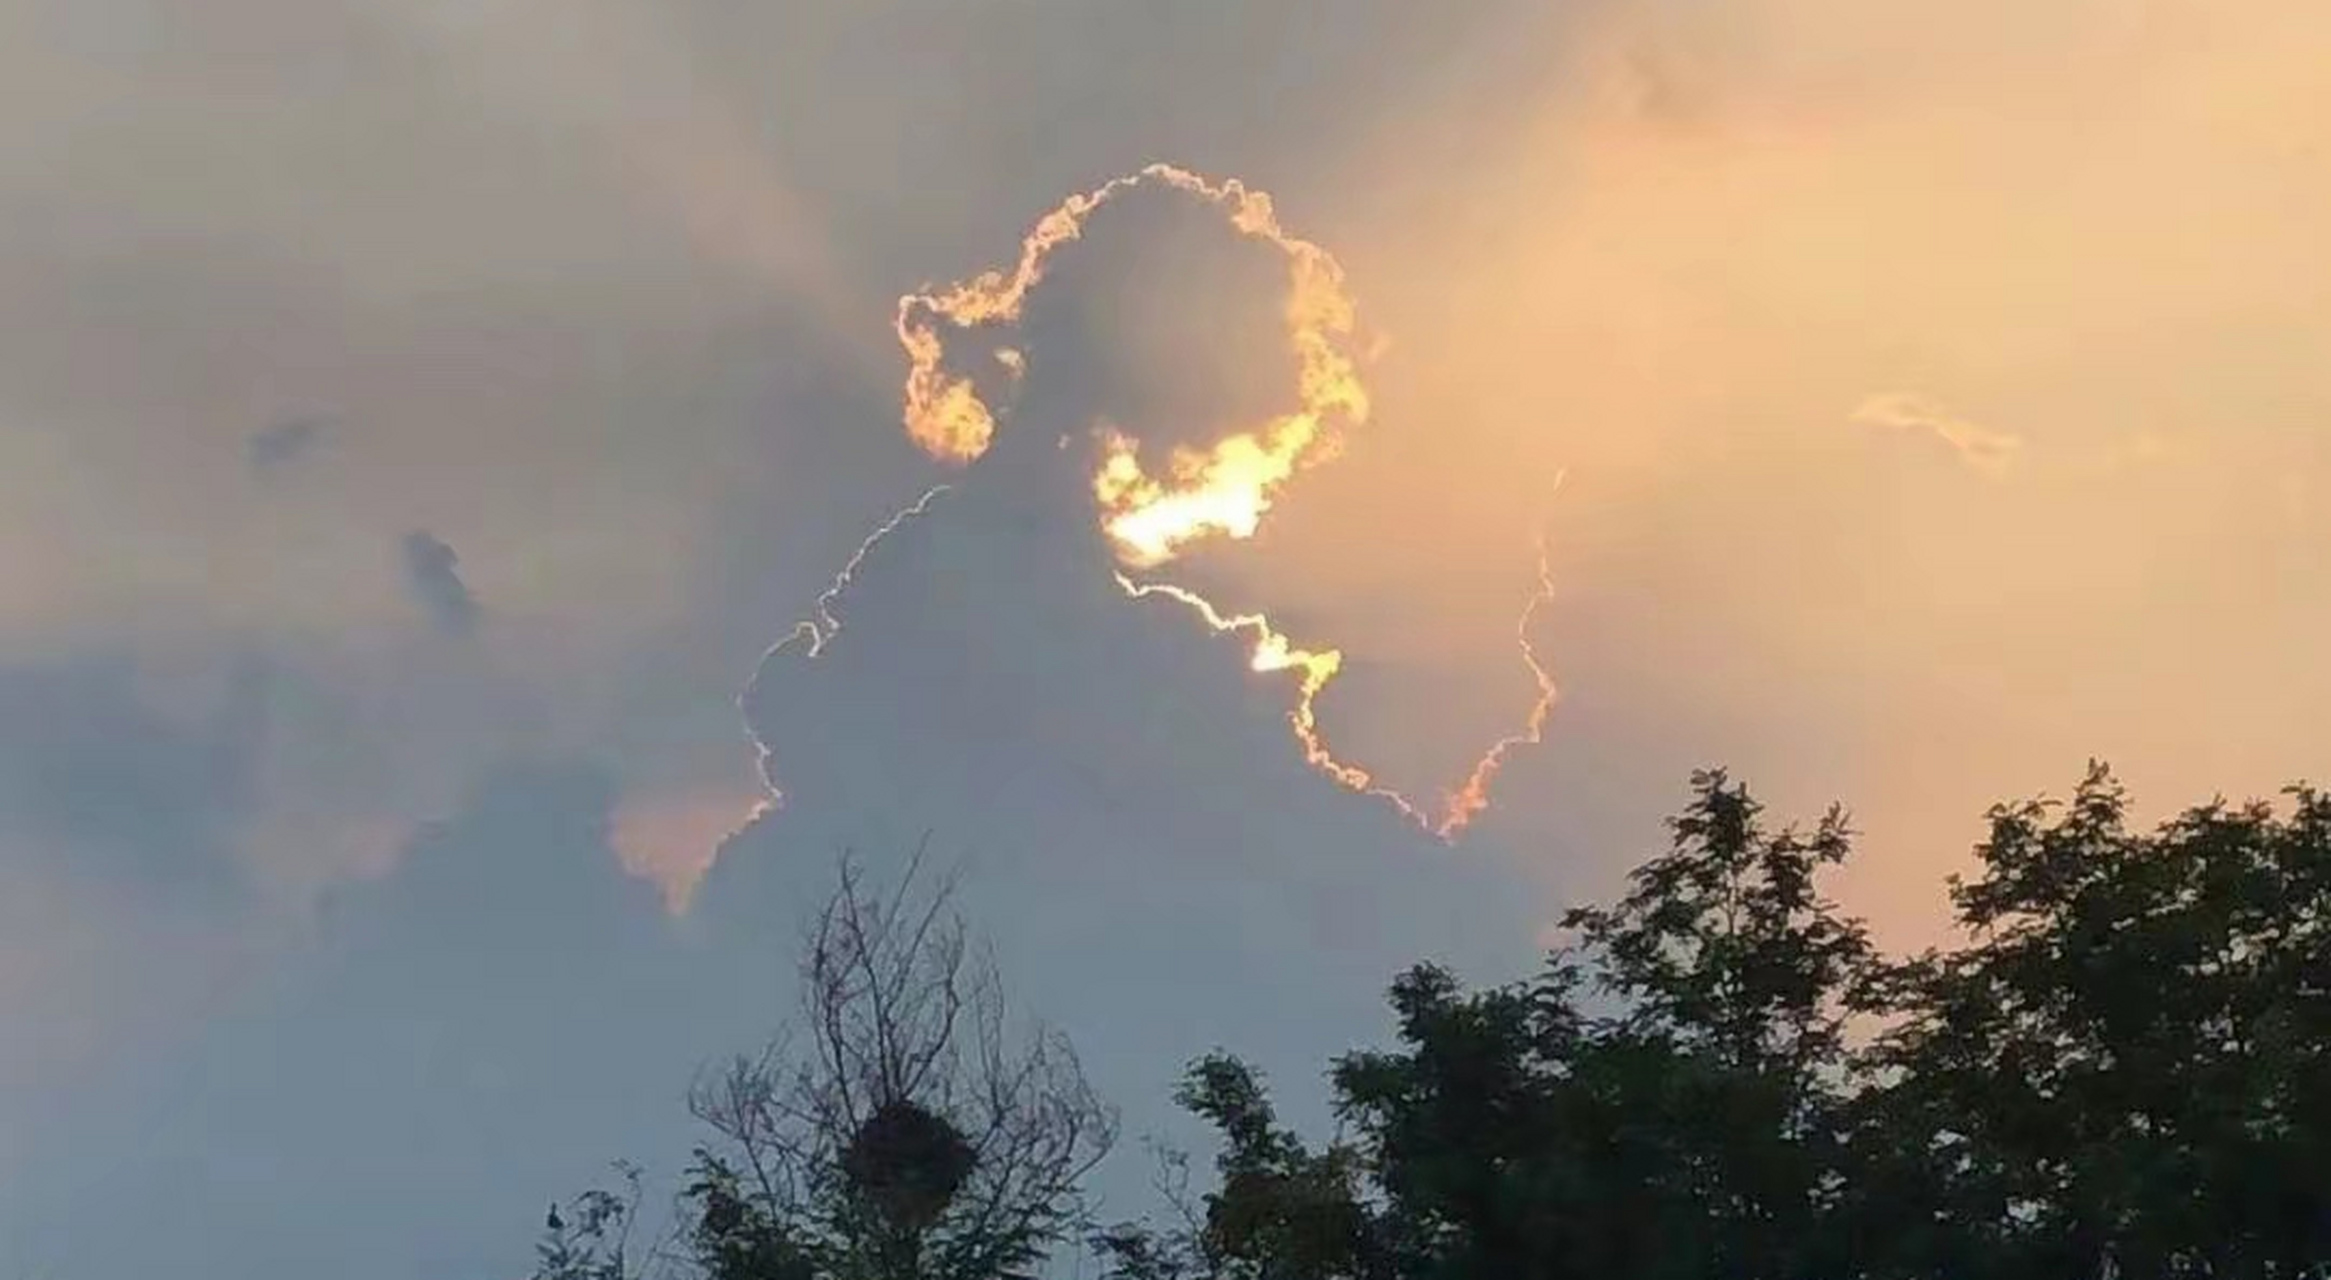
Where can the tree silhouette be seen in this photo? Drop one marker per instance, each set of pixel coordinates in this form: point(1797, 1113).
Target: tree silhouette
point(2124, 1071)
point(596, 1245)
point(903, 1128)
point(2127, 1069)
point(1687, 1128)
point(2121, 1070)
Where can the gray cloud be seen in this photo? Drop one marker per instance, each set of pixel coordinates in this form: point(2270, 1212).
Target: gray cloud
point(433, 572)
point(462, 1000)
point(120, 790)
point(284, 443)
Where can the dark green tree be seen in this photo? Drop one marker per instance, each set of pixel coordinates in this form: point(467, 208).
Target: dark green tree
point(1734, 978)
point(2123, 1070)
point(1663, 1101)
point(2126, 1070)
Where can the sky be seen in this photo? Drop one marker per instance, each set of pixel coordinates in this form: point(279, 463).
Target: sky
point(420, 419)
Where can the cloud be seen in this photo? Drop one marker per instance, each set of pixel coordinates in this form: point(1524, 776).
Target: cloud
point(284, 443)
point(1678, 288)
point(121, 788)
point(1686, 265)
point(1979, 446)
point(125, 798)
point(432, 571)
point(672, 839)
point(556, 339)
point(465, 999)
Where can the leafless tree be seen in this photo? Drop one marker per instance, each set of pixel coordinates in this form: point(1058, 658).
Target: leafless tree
point(905, 1126)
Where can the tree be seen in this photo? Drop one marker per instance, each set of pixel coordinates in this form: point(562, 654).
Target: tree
point(591, 1240)
point(902, 1129)
point(2123, 1071)
point(1735, 979)
point(1688, 1129)
point(2126, 1070)
point(2120, 1071)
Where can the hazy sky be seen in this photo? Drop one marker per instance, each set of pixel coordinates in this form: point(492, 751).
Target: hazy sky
point(417, 417)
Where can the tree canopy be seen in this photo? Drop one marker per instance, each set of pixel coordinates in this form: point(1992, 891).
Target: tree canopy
point(2120, 1068)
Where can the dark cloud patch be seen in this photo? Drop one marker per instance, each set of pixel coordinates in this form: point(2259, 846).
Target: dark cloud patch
point(433, 572)
point(272, 448)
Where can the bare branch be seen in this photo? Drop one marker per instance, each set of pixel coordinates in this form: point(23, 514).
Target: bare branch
point(908, 1039)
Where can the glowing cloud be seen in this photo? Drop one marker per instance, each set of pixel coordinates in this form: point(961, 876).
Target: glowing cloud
point(1223, 490)
point(672, 840)
point(1981, 447)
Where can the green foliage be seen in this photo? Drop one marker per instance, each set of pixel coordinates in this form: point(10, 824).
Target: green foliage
point(735, 1234)
point(2129, 1067)
point(2123, 1071)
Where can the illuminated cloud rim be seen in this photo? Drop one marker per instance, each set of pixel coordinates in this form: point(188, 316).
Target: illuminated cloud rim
point(1220, 491)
